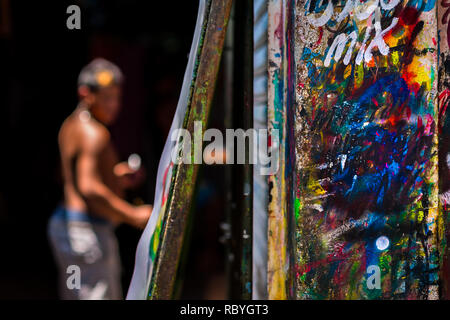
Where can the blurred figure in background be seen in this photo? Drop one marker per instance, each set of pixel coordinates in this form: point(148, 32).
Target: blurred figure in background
point(81, 230)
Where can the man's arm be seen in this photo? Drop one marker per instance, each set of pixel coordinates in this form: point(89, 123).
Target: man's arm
point(99, 198)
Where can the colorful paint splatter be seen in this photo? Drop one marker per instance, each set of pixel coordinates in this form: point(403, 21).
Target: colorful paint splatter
point(361, 124)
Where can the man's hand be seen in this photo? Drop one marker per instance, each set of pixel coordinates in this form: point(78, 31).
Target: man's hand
point(141, 215)
point(129, 178)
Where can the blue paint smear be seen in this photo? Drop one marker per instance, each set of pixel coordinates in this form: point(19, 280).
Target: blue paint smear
point(422, 5)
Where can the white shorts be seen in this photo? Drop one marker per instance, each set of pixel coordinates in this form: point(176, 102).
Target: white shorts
point(87, 255)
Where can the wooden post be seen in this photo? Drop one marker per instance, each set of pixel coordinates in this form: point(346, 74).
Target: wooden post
point(242, 193)
point(167, 260)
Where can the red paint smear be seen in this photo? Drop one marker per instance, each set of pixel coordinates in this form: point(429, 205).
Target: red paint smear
point(408, 112)
point(443, 104)
point(320, 37)
point(333, 257)
point(408, 77)
point(343, 270)
point(279, 30)
point(393, 120)
point(429, 123)
point(340, 255)
point(407, 19)
point(165, 195)
point(409, 16)
point(375, 101)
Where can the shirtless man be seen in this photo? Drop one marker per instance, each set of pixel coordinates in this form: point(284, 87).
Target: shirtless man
point(81, 230)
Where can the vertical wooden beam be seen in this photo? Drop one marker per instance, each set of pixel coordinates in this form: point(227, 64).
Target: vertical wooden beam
point(276, 118)
point(167, 261)
point(242, 223)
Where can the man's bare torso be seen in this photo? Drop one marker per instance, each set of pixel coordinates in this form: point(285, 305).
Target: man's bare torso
point(75, 132)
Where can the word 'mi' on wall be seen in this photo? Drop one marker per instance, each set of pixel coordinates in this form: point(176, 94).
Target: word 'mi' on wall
point(367, 15)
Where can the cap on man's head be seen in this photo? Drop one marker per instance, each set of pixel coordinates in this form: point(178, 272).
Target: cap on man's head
point(100, 73)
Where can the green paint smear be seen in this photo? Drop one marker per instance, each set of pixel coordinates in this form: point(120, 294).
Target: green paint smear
point(298, 207)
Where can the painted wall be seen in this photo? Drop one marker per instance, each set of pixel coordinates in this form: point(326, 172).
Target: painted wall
point(358, 89)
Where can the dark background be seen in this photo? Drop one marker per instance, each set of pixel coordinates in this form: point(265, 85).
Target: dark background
point(39, 64)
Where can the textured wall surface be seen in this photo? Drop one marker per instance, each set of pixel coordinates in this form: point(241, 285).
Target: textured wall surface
point(353, 86)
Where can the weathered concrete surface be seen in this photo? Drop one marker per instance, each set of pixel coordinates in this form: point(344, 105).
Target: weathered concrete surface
point(354, 211)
